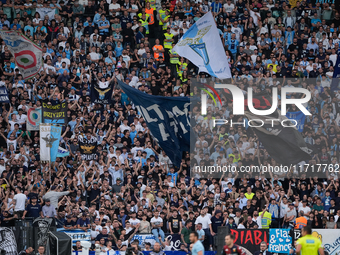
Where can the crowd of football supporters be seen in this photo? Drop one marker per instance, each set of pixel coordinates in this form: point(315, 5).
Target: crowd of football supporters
point(132, 187)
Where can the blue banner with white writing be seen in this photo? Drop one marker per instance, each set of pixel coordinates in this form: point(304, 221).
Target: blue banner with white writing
point(299, 117)
point(76, 234)
point(336, 75)
point(4, 95)
point(167, 119)
point(279, 241)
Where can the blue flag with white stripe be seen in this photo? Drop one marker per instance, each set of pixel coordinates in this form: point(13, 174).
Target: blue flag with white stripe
point(62, 152)
point(202, 45)
point(167, 119)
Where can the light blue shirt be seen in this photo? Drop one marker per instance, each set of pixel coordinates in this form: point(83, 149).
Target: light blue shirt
point(198, 246)
point(200, 234)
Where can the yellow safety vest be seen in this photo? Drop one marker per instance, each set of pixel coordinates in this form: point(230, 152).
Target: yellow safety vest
point(174, 60)
point(165, 25)
point(162, 15)
point(152, 4)
point(168, 45)
point(266, 219)
point(146, 25)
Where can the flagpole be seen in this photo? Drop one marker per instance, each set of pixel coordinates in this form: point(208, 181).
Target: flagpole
point(49, 166)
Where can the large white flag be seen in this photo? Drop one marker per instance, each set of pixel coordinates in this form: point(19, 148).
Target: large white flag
point(46, 11)
point(28, 56)
point(202, 45)
point(45, 148)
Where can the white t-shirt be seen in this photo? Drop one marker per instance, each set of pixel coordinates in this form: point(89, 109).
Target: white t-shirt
point(134, 222)
point(205, 221)
point(12, 142)
point(306, 210)
point(67, 61)
point(114, 7)
point(94, 55)
point(228, 8)
point(283, 209)
point(157, 221)
point(20, 200)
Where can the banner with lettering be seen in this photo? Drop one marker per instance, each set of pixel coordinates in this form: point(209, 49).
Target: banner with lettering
point(299, 117)
point(144, 238)
point(77, 234)
point(88, 147)
point(175, 241)
point(54, 113)
point(249, 239)
point(4, 95)
point(167, 119)
point(279, 241)
point(330, 240)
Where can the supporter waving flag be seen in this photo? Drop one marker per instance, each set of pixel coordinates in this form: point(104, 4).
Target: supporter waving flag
point(201, 44)
point(167, 119)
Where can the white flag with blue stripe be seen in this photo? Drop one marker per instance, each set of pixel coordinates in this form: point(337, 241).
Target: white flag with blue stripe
point(202, 45)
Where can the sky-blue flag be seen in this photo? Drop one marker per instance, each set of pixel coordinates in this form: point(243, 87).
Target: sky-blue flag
point(56, 134)
point(167, 119)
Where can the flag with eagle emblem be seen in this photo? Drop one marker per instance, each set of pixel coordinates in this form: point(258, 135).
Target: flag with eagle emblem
point(49, 141)
point(88, 147)
point(27, 55)
point(102, 94)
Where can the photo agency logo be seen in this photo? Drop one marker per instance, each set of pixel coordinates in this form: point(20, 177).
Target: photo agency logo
point(256, 105)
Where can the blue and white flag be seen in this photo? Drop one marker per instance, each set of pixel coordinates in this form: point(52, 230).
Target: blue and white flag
point(167, 119)
point(49, 141)
point(62, 152)
point(4, 95)
point(202, 45)
point(336, 75)
point(299, 117)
